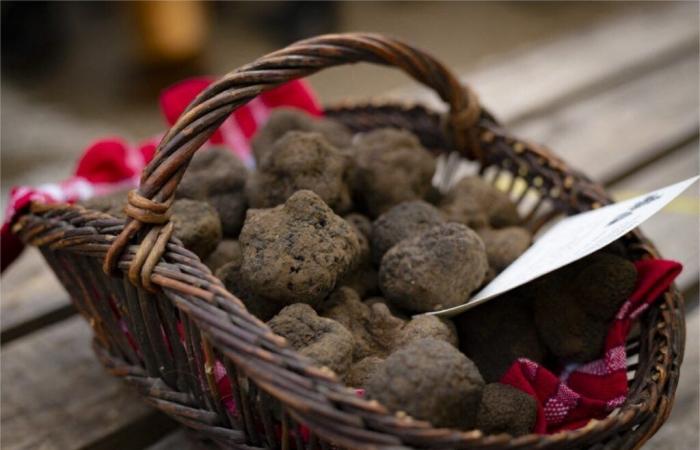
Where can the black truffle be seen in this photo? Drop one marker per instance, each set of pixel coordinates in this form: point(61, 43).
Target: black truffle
point(497, 333)
point(197, 225)
point(361, 371)
point(474, 202)
point(430, 380)
point(217, 176)
point(230, 275)
point(504, 245)
point(505, 409)
point(421, 327)
point(301, 160)
point(323, 340)
point(227, 251)
point(390, 167)
point(112, 203)
point(403, 221)
point(434, 270)
point(296, 252)
point(283, 120)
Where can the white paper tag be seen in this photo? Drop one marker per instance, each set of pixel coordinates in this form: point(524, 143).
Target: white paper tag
point(572, 239)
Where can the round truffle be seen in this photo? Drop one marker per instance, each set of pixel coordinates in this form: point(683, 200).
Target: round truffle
point(421, 327)
point(434, 270)
point(230, 275)
point(227, 251)
point(390, 167)
point(505, 409)
point(361, 223)
point(403, 221)
point(567, 331)
point(603, 282)
point(474, 202)
point(323, 340)
point(374, 328)
point(301, 160)
point(296, 252)
point(361, 371)
point(497, 333)
point(282, 120)
point(217, 176)
point(505, 245)
point(430, 380)
point(197, 225)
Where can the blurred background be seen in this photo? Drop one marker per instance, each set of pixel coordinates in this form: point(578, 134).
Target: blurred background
point(76, 71)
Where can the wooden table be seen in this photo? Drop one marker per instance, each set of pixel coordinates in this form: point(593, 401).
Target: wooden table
point(618, 101)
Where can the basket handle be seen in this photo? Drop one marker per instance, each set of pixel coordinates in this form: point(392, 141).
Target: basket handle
point(150, 203)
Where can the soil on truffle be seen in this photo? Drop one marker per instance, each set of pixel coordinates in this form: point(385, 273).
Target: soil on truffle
point(197, 225)
point(476, 203)
point(505, 409)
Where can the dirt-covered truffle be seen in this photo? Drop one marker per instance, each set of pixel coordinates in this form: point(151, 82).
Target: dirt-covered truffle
point(219, 177)
point(497, 333)
point(390, 167)
point(283, 120)
point(504, 245)
point(429, 380)
point(230, 275)
point(363, 277)
point(474, 202)
point(505, 409)
point(361, 223)
point(325, 341)
point(374, 328)
point(296, 252)
point(403, 221)
point(567, 331)
point(361, 371)
point(421, 327)
point(301, 160)
point(197, 225)
point(602, 283)
point(112, 203)
point(434, 270)
point(227, 251)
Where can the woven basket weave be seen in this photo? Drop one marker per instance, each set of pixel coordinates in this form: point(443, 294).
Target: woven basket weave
point(134, 272)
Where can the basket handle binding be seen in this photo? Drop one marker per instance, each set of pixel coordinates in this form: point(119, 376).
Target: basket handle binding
point(150, 204)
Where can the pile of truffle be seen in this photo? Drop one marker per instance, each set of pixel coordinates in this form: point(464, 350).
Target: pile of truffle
point(336, 239)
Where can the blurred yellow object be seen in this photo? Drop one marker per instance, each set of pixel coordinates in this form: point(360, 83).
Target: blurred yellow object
point(171, 31)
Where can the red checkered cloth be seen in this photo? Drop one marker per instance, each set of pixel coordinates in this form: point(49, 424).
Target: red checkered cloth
point(112, 164)
point(591, 391)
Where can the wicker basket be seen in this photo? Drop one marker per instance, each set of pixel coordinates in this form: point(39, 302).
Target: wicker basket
point(136, 273)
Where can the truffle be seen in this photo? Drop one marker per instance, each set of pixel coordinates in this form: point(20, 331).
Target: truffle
point(430, 380)
point(112, 203)
point(567, 331)
point(219, 177)
point(227, 251)
point(197, 225)
point(361, 371)
point(283, 120)
point(390, 167)
point(323, 340)
point(474, 202)
point(505, 409)
point(602, 283)
point(363, 277)
point(230, 275)
point(505, 245)
point(374, 328)
point(296, 252)
point(402, 221)
point(301, 160)
point(436, 269)
point(421, 327)
point(497, 333)
point(361, 223)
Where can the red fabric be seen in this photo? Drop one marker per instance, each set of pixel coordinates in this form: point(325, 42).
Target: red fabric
point(590, 391)
point(111, 164)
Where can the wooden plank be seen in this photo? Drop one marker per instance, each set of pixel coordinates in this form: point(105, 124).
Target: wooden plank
point(31, 297)
point(531, 82)
point(55, 395)
point(675, 229)
point(610, 133)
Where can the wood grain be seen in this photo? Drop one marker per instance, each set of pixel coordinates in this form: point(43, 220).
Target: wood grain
point(55, 394)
